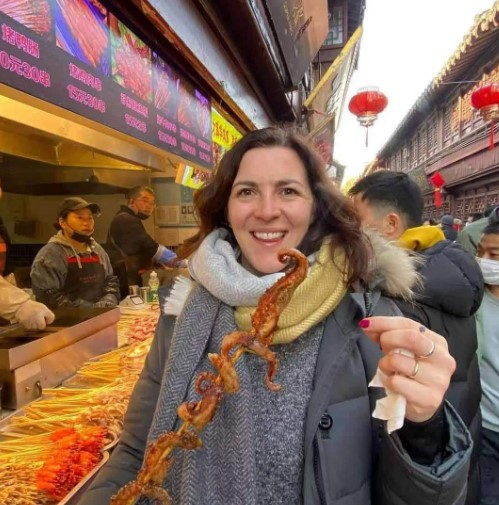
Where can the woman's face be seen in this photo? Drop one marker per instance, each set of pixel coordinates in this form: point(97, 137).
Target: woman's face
point(270, 206)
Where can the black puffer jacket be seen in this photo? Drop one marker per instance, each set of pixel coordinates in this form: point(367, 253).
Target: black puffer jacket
point(451, 294)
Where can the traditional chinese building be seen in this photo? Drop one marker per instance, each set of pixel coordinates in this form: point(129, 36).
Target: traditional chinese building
point(443, 134)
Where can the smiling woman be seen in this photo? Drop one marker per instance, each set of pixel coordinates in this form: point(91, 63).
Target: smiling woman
point(309, 437)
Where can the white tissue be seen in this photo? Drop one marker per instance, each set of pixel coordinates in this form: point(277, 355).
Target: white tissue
point(392, 407)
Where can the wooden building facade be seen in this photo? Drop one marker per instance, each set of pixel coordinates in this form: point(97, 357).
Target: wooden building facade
point(443, 133)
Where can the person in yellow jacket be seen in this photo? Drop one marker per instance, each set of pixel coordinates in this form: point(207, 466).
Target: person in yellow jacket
point(447, 299)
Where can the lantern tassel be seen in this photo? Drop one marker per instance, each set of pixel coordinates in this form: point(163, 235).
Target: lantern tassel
point(367, 136)
point(438, 198)
point(492, 142)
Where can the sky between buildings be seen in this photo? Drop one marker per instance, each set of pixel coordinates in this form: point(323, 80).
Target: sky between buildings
point(404, 45)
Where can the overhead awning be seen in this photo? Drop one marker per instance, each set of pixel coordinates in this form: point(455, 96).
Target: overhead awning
point(327, 98)
point(300, 27)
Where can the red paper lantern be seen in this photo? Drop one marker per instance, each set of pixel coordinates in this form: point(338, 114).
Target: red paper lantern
point(486, 100)
point(366, 105)
point(438, 182)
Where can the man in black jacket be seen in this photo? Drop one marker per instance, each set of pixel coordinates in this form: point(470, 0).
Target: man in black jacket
point(451, 293)
point(128, 241)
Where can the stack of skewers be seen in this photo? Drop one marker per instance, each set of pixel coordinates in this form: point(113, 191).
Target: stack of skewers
point(58, 440)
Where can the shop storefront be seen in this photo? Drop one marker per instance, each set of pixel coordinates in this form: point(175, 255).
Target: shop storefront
point(89, 108)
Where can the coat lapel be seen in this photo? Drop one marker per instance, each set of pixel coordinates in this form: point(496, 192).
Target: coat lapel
point(339, 338)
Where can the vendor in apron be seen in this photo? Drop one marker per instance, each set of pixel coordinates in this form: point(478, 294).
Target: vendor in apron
point(73, 270)
point(15, 304)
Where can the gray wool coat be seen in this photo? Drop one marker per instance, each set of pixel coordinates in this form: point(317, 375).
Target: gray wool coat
point(348, 460)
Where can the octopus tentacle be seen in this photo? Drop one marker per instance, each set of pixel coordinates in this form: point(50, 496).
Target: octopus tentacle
point(277, 297)
point(127, 495)
point(200, 413)
point(157, 493)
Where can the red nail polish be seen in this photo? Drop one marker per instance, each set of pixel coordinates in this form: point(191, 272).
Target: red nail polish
point(364, 323)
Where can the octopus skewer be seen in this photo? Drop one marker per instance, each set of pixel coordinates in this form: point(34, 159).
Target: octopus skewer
point(196, 415)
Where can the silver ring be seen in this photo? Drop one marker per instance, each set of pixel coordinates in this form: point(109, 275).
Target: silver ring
point(430, 352)
point(416, 370)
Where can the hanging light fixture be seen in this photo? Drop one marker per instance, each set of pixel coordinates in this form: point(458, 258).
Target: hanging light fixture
point(366, 105)
point(486, 100)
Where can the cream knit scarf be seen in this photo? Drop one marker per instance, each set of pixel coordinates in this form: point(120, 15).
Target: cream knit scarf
point(215, 266)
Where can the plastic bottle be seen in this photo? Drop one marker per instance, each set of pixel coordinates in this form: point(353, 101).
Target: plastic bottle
point(153, 287)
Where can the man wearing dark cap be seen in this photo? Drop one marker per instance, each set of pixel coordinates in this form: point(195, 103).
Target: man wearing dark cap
point(72, 270)
point(447, 225)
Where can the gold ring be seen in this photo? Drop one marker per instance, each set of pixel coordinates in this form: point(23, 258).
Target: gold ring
point(430, 352)
point(416, 370)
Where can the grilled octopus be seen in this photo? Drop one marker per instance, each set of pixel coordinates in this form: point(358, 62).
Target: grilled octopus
point(155, 468)
point(264, 323)
point(200, 413)
point(157, 459)
point(129, 494)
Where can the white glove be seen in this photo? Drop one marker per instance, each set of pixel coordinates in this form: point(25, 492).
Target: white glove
point(34, 315)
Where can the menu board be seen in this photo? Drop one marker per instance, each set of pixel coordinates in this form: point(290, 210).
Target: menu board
point(79, 56)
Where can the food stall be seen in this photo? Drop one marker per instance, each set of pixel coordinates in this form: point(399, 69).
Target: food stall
point(52, 447)
point(88, 107)
point(32, 361)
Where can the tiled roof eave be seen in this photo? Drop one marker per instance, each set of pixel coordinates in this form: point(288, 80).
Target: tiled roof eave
point(486, 25)
point(485, 28)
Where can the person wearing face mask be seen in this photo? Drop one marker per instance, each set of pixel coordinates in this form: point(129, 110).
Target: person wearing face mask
point(16, 305)
point(470, 235)
point(487, 323)
point(128, 241)
point(73, 270)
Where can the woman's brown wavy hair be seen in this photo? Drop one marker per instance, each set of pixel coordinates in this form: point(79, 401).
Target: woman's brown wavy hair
point(334, 213)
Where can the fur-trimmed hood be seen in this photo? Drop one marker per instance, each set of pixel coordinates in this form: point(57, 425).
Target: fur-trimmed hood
point(394, 269)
